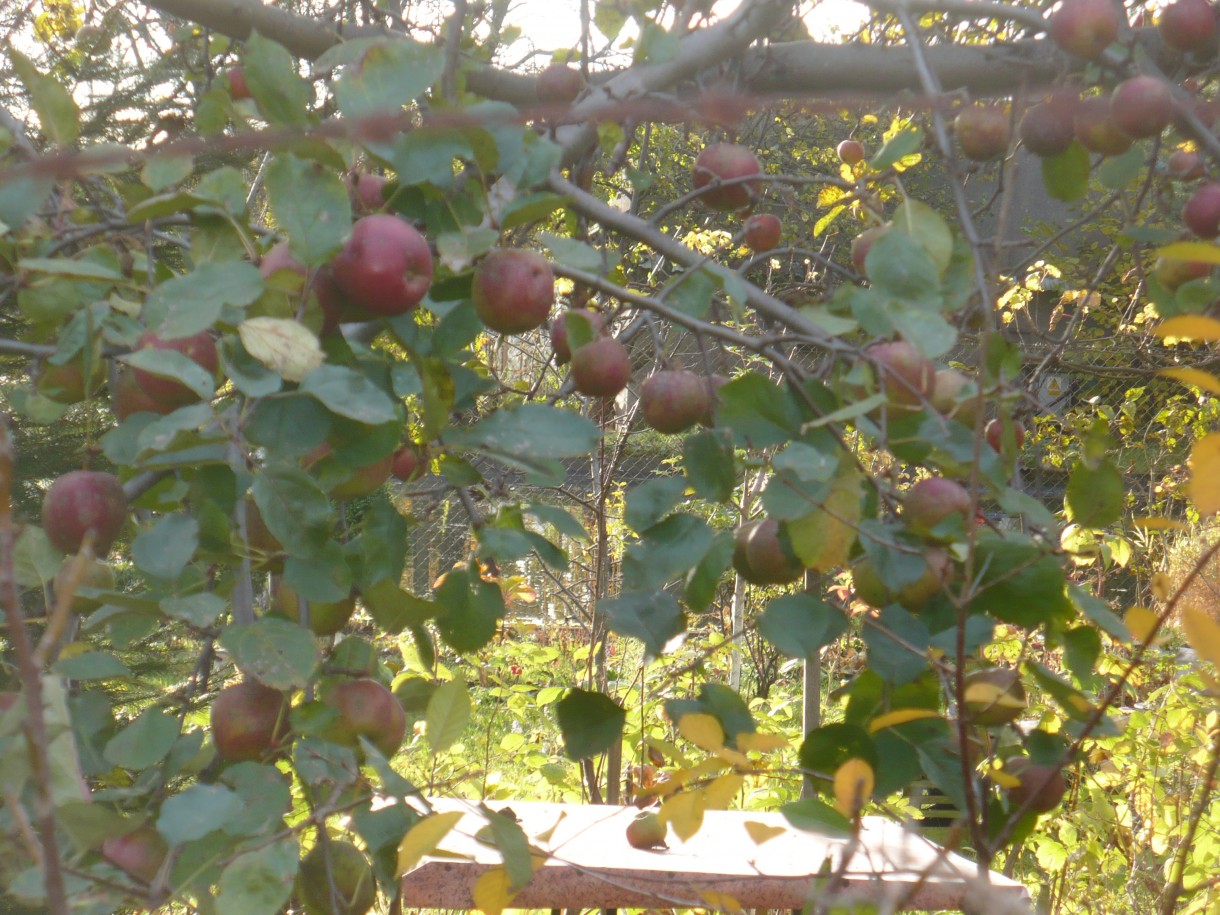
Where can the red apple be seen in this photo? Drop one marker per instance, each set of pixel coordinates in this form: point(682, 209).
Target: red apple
point(1188, 25)
point(367, 192)
point(982, 131)
point(199, 348)
point(932, 500)
point(559, 84)
point(1172, 273)
point(1085, 27)
point(559, 332)
point(1041, 788)
point(601, 368)
point(903, 373)
point(81, 501)
point(325, 617)
point(66, 383)
point(127, 398)
point(1047, 129)
point(863, 243)
point(360, 481)
point(139, 853)
point(513, 290)
point(1202, 211)
point(1184, 165)
point(238, 90)
point(1096, 131)
point(646, 831)
point(342, 864)
point(726, 162)
point(952, 396)
point(410, 463)
point(385, 267)
point(761, 557)
point(249, 721)
point(674, 400)
point(1141, 106)
point(322, 284)
point(995, 434)
point(850, 152)
point(367, 709)
point(763, 231)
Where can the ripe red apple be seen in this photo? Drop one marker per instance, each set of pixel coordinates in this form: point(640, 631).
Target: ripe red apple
point(95, 574)
point(199, 348)
point(993, 696)
point(559, 84)
point(932, 500)
point(322, 284)
point(1085, 27)
point(1184, 165)
point(646, 831)
point(1041, 788)
point(952, 396)
point(903, 373)
point(1048, 128)
point(1141, 106)
point(325, 618)
point(559, 332)
point(982, 131)
point(1202, 211)
point(353, 879)
point(760, 556)
point(238, 90)
point(1188, 25)
point(995, 434)
point(850, 152)
point(937, 572)
point(601, 368)
point(367, 192)
point(127, 397)
point(367, 709)
point(249, 721)
point(81, 501)
point(410, 463)
point(385, 267)
point(863, 243)
point(725, 162)
point(674, 400)
point(513, 290)
point(1172, 273)
point(139, 853)
point(763, 231)
point(1096, 132)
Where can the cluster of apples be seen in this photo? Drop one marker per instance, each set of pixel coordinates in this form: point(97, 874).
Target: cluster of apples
point(723, 172)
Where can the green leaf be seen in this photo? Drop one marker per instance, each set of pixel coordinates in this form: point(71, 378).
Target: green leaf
point(447, 716)
point(186, 305)
point(649, 502)
point(890, 640)
point(514, 847)
point(692, 293)
point(1020, 584)
point(145, 741)
point(708, 459)
point(168, 363)
point(162, 171)
point(1117, 172)
point(92, 665)
point(50, 100)
point(199, 610)
point(389, 76)
point(283, 97)
point(653, 617)
point(758, 412)
point(294, 508)
point(19, 200)
point(311, 205)
point(35, 561)
point(1094, 495)
point(427, 155)
point(558, 518)
point(590, 723)
point(828, 747)
point(1066, 176)
point(266, 794)
point(530, 430)
point(66, 267)
point(164, 549)
point(472, 609)
point(259, 882)
point(799, 625)
point(346, 392)
point(276, 652)
point(666, 551)
point(195, 811)
point(899, 146)
point(898, 267)
point(704, 582)
point(928, 229)
point(813, 815)
point(579, 255)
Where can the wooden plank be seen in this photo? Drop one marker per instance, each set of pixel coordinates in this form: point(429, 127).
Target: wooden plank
point(590, 865)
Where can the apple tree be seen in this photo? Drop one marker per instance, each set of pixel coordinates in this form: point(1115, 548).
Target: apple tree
point(357, 247)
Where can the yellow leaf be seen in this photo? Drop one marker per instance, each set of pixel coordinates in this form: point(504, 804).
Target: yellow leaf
point(493, 892)
point(1191, 251)
point(760, 742)
point(734, 758)
point(761, 832)
point(1202, 632)
point(714, 899)
point(1160, 524)
point(422, 838)
point(703, 730)
point(1161, 586)
point(1141, 621)
point(823, 538)
point(987, 694)
point(1189, 327)
point(853, 785)
point(684, 812)
point(1204, 486)
point(721, 792)
point(1205, 381)
point(286, 347)
point(1003, 778)
point(900, 716)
